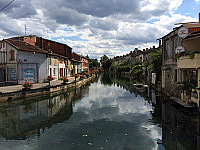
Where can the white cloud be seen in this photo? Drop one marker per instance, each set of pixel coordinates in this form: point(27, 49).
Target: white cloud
point(103, 26)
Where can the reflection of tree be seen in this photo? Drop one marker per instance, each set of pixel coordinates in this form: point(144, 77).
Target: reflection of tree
point(106, 80)
point(79, 93)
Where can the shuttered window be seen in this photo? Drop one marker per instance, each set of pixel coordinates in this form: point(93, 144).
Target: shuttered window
point(50, 61)
point(55, 61)
point(12, 55)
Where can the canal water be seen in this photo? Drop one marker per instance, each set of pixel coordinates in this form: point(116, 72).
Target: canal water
point(109, 114)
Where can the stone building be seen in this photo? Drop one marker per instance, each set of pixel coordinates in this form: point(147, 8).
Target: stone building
point(181, 61)
point(169, 65)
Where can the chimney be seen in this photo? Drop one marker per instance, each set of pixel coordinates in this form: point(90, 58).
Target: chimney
point(159, 42)
point(199, 17)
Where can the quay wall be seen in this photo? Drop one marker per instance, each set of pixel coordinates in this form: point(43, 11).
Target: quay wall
point(44, 90)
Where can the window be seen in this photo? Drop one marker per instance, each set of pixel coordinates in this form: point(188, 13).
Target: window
point(50, 71)
point(55, 61)
point(175, 75)
point(54, 71)
point(50, 61)
point(167, 48)
point(12, 55)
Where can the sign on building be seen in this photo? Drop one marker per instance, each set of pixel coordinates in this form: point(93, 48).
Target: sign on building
point(12, 74)
point(195, 29)
point(180, 49)
point(183, 32)
point(29, 74)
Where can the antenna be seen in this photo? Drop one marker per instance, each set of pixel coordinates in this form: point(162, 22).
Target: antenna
point(25, 29)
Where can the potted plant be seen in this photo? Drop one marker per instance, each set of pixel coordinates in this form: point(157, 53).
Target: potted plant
point(81, 77)
point(65, 80)
point(76, 76)
point(27, 85)
point(87, 75)
point(50, 78)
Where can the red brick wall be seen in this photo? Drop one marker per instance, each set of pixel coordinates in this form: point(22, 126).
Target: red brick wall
point(30, 39)
point(55, 47)
point(76, 56)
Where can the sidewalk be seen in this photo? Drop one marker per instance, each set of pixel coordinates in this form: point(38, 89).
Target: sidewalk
point(14, 88)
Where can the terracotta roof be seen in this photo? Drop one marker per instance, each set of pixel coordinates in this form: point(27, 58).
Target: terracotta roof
point(23, 46)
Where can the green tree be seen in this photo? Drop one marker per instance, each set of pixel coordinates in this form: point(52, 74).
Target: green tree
point(155, 62)
point(106, 62)
point(93, 63)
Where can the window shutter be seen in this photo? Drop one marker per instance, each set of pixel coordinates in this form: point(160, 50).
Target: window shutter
point(50, 61)
point(55, 61)
point(12, 55)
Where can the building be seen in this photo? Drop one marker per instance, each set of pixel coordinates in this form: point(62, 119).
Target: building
point(169, 65)
point(84, 64)
point(21, 61)
point(181, 61)
point(63, 65)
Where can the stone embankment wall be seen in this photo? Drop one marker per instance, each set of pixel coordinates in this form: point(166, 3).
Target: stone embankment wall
point(44, 90)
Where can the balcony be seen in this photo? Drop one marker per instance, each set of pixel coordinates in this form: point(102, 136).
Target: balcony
point(189, 63)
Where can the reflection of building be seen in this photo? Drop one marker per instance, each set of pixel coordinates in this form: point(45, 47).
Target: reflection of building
point(20, 121)
point(180, 130)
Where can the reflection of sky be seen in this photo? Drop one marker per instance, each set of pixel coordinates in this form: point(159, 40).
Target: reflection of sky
point(108, 118)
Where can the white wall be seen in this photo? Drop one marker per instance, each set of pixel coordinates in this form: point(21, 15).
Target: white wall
point(37, 61)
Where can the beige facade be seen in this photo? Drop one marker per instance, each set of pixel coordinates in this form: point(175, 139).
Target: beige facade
point(169, 65)
point(183, 67)
point(189, 67)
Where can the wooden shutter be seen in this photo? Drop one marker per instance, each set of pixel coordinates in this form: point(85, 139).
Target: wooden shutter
point(12, 55)
point(55, 61)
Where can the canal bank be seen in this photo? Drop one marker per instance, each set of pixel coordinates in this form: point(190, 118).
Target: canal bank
point(16, 92)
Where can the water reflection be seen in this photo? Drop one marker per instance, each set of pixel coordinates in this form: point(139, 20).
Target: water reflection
point(109, 114)
point(180, 127)
point(27, 119)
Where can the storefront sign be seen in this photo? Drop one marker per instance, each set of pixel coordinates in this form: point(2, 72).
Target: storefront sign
point(191, 30)
point(12, 74)
point(180, 49)
point(183, 32)
point(29, 74)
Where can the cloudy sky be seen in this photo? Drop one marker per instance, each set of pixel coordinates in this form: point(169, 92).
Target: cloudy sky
point(97, 27)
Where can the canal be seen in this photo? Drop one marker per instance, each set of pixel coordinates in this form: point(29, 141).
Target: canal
point(110, 113)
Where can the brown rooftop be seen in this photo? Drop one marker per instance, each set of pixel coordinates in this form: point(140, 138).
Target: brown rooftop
point(20, 45)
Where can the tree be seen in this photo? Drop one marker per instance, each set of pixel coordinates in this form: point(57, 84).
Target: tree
point(93, 63)
point(106, 62)
point(155, 62)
